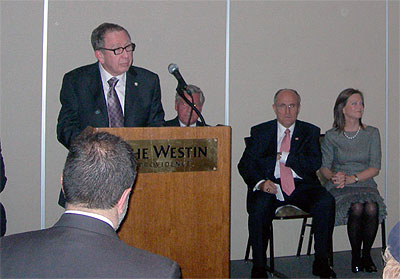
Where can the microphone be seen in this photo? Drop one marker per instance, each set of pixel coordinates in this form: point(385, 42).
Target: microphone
point(174, 70)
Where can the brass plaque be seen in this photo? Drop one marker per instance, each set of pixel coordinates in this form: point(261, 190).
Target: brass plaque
point(176, 155)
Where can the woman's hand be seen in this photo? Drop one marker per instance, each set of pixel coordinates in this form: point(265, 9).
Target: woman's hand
point(339, 179)
point(350, 179)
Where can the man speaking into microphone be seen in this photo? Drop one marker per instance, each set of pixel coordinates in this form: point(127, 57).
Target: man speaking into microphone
point(110, 92)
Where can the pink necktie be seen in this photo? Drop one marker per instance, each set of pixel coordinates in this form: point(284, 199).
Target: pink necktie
point(287, 181)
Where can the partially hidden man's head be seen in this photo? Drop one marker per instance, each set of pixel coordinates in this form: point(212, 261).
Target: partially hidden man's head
point(183, 109)
point(286, 106)
point(113, 48)
point(98, 169)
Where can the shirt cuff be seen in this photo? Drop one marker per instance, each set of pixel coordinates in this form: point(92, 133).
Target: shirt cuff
point(257, 187)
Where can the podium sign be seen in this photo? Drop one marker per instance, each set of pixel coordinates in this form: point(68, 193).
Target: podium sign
point(180, 206)
point(176, 155)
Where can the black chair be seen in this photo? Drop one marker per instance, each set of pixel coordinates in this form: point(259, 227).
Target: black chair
point(286, 212)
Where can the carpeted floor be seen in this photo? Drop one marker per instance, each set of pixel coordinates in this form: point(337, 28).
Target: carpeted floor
point(301, 267)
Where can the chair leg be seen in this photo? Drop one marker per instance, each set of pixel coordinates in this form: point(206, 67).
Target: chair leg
point(383, 232)
point(271, 250)
point(330, 255)
point(303, 228)
point(310, 238)
point(246, 257)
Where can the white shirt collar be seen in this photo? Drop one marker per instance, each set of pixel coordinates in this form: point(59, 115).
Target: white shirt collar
point(184, 125)
point(93, 215)
point(120, 87)
point(282, 129)
point(105, 76)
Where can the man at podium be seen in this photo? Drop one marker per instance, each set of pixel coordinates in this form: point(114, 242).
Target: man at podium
point(186, 116)
point(110, 92)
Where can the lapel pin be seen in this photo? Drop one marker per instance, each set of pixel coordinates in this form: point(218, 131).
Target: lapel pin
point(296, 138)
point(136, 84)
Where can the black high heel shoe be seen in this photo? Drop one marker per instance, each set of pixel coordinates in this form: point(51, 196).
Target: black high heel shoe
point(368, 264)
point(356, 264)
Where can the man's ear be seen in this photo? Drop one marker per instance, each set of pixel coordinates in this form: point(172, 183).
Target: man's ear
point(274, 107)
point(62, 183)
point(99, 55)
point(122, 200)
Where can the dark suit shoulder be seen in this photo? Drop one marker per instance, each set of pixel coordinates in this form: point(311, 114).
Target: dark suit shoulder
point(264, 126)
point(86, 69)
point(306, 125)
point(172, 123)
point(141, 71)
point(89, 245)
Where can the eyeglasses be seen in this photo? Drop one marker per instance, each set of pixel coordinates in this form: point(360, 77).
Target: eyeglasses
point(186, 105)
point(284, 106)
point(118, 51)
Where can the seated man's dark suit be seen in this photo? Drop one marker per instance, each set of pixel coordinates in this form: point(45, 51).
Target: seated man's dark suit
point(83, 102)
point(3, 180)
point(79, 247)
point(175, 123)
point(258, 163)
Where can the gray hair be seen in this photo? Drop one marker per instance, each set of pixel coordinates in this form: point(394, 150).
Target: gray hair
point(97, 37)
point(194, 90)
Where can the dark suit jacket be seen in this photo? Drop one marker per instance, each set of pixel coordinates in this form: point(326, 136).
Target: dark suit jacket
point(83, 102)
point(175, 123)
point(3, 180)
point(259, 158)
point(79, 247)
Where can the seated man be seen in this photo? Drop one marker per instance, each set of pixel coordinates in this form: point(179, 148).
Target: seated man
point(285, 153)
point(186, 115)
point(98, 177)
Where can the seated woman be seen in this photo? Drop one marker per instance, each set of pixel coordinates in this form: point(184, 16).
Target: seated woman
point(351, 157)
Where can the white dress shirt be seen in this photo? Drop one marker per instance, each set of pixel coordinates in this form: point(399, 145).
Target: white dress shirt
point(119, 88)
point(284, 155)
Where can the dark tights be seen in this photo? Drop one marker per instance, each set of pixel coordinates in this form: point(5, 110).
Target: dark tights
point(362, 227)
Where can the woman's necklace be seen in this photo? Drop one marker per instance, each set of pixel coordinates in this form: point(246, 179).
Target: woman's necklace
point(352, 137)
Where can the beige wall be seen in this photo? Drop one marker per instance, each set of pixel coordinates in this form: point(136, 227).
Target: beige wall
point(316, 47)
point(319, 48)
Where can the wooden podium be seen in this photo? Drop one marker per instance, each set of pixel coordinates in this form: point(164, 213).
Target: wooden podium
point(181, 208)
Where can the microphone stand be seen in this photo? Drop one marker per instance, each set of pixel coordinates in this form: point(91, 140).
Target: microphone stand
point(181, 93)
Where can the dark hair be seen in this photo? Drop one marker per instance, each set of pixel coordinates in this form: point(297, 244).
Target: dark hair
point(341, 101)
point(98, 169)
point(97, 37)
point(294, 91)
